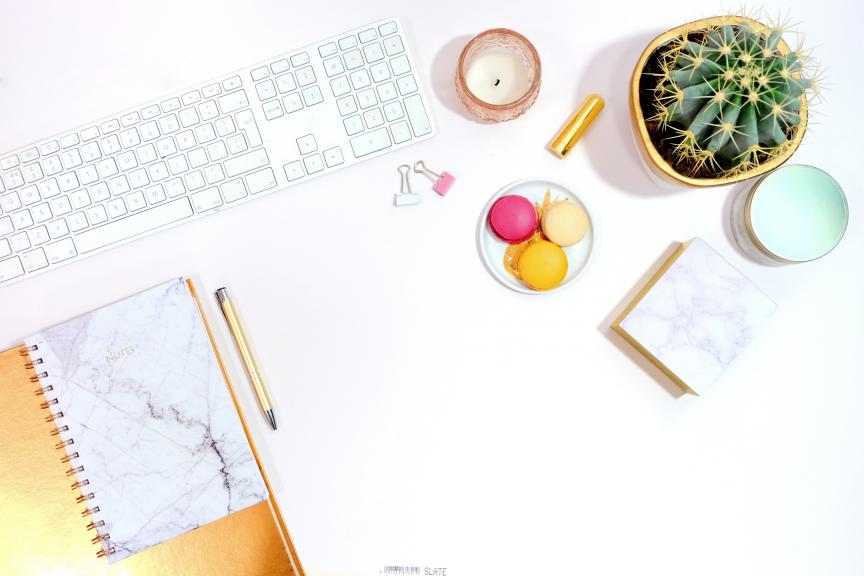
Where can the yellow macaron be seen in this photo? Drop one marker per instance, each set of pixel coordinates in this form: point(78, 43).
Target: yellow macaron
point(565, 223)
point(543, 265)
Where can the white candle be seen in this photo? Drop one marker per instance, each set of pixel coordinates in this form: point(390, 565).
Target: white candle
point(497, 76)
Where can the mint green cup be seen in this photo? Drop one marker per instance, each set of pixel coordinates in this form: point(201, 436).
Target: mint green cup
point(795, 214)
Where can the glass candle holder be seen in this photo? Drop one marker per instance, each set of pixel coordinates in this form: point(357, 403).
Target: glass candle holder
point(795, 214)
point(498, 76)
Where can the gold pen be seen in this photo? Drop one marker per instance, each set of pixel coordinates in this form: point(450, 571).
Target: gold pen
point(246, 353)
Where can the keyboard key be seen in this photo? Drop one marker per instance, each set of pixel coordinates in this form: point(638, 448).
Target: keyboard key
point(146, 154)
point(5, 248)
point(232, 83)
point(234, 101)
point(285, 83)
point(236, 144)
point(211, 90)
point(169, 124)
point(401, 132)
point(380, 72)
point(294, 170)
point(119, 185)
point(127, 120)
point(158, 171)
point(68, 181)
point(353, 59)
point(347, 42)
point(205, 133)
point(139, 223)
point(9, 162)
point(126, 160)
point(166, 147)
point(71, 159)
point(77, 221)
point(97, 215)
point(373, 52)
point(340, 86)
point(214, 173)
point(116, 208)
point(292, 102)
point(198, 158)
point(150, 112)
point(307, 144)
point(19, 241)
point(224, 126)
point(79, 199)
point(10, 269)
point(174, 187)
point(10, 202)
point(46, 149)
point(265, 90)
point(366, 98)
point(217, 151)
point(312, 96)
point(149, 131)
point(155, 194)
point(280, 66)
point(208, 110)
point(108, 127)
point(34, 260)
point(51, 165)
point(191, 97)
point(130, 138)
point(13, 179)
point(38, 235)
point(29, 195)
point(393, 45)
point(188, 117)
point(368, 35)
point(171, 105)
point(400, 65)
point(206, 199)
point(305, 76)
point(107, 167)
point(135, 201)
point(41, 212)
point(69, 140)
point(353, 125)
point(300, 59)
point(327, 49)
point(387, 28)
point(234, 190)
point(261, 181)
point(417, 115)
point(185, 140)
point(139, 178)
point(406, 84)
point(87, 175)
point(100, 192)
point(246, 162)
point(57, 228)
point(333, 156)
point(360, 79)
point(333, 66)
point(31, 172)
point(6, 225)
point(373, 118)
point(59, 251)
point(370, 142)
point(313, 163)
point(346, 105)
point(61, 206)
point(272, 109)
point(89, 134)
point(393, 111)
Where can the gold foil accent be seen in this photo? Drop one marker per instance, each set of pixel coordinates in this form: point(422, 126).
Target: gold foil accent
point(576, 126)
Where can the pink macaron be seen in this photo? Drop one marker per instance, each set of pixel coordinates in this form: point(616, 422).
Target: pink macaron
point(513, 218)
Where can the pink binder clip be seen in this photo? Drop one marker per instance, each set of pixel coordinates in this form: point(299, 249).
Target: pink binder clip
point(441, 182)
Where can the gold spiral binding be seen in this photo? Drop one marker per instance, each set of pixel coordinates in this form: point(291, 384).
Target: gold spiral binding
point(37, 378)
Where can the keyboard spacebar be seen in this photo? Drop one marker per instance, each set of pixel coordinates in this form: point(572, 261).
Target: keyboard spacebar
point(133, 225)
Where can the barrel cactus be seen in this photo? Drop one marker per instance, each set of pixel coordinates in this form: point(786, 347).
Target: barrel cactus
point(728, 97)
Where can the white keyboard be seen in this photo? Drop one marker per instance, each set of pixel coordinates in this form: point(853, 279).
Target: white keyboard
point(209, 147)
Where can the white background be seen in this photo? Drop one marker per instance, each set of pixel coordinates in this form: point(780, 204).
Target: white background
point(430, 416)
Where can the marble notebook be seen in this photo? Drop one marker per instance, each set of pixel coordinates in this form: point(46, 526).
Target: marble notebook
point(147, 419)
point(695, 316)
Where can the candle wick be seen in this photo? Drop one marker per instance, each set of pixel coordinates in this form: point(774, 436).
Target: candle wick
point(497, 81)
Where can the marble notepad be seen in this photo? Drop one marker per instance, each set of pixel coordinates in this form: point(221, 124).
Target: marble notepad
point(148, 417)
point(695, 316)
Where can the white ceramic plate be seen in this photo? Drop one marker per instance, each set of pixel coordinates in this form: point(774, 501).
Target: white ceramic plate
point(492, 248)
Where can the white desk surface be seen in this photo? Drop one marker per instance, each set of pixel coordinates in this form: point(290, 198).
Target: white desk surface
point(429, 416)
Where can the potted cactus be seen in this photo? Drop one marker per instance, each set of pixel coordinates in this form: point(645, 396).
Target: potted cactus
point(719, 100)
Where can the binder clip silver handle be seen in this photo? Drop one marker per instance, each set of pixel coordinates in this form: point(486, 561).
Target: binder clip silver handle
point(406, 197)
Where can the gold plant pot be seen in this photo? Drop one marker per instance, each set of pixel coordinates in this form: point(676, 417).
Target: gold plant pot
point(652, 157)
